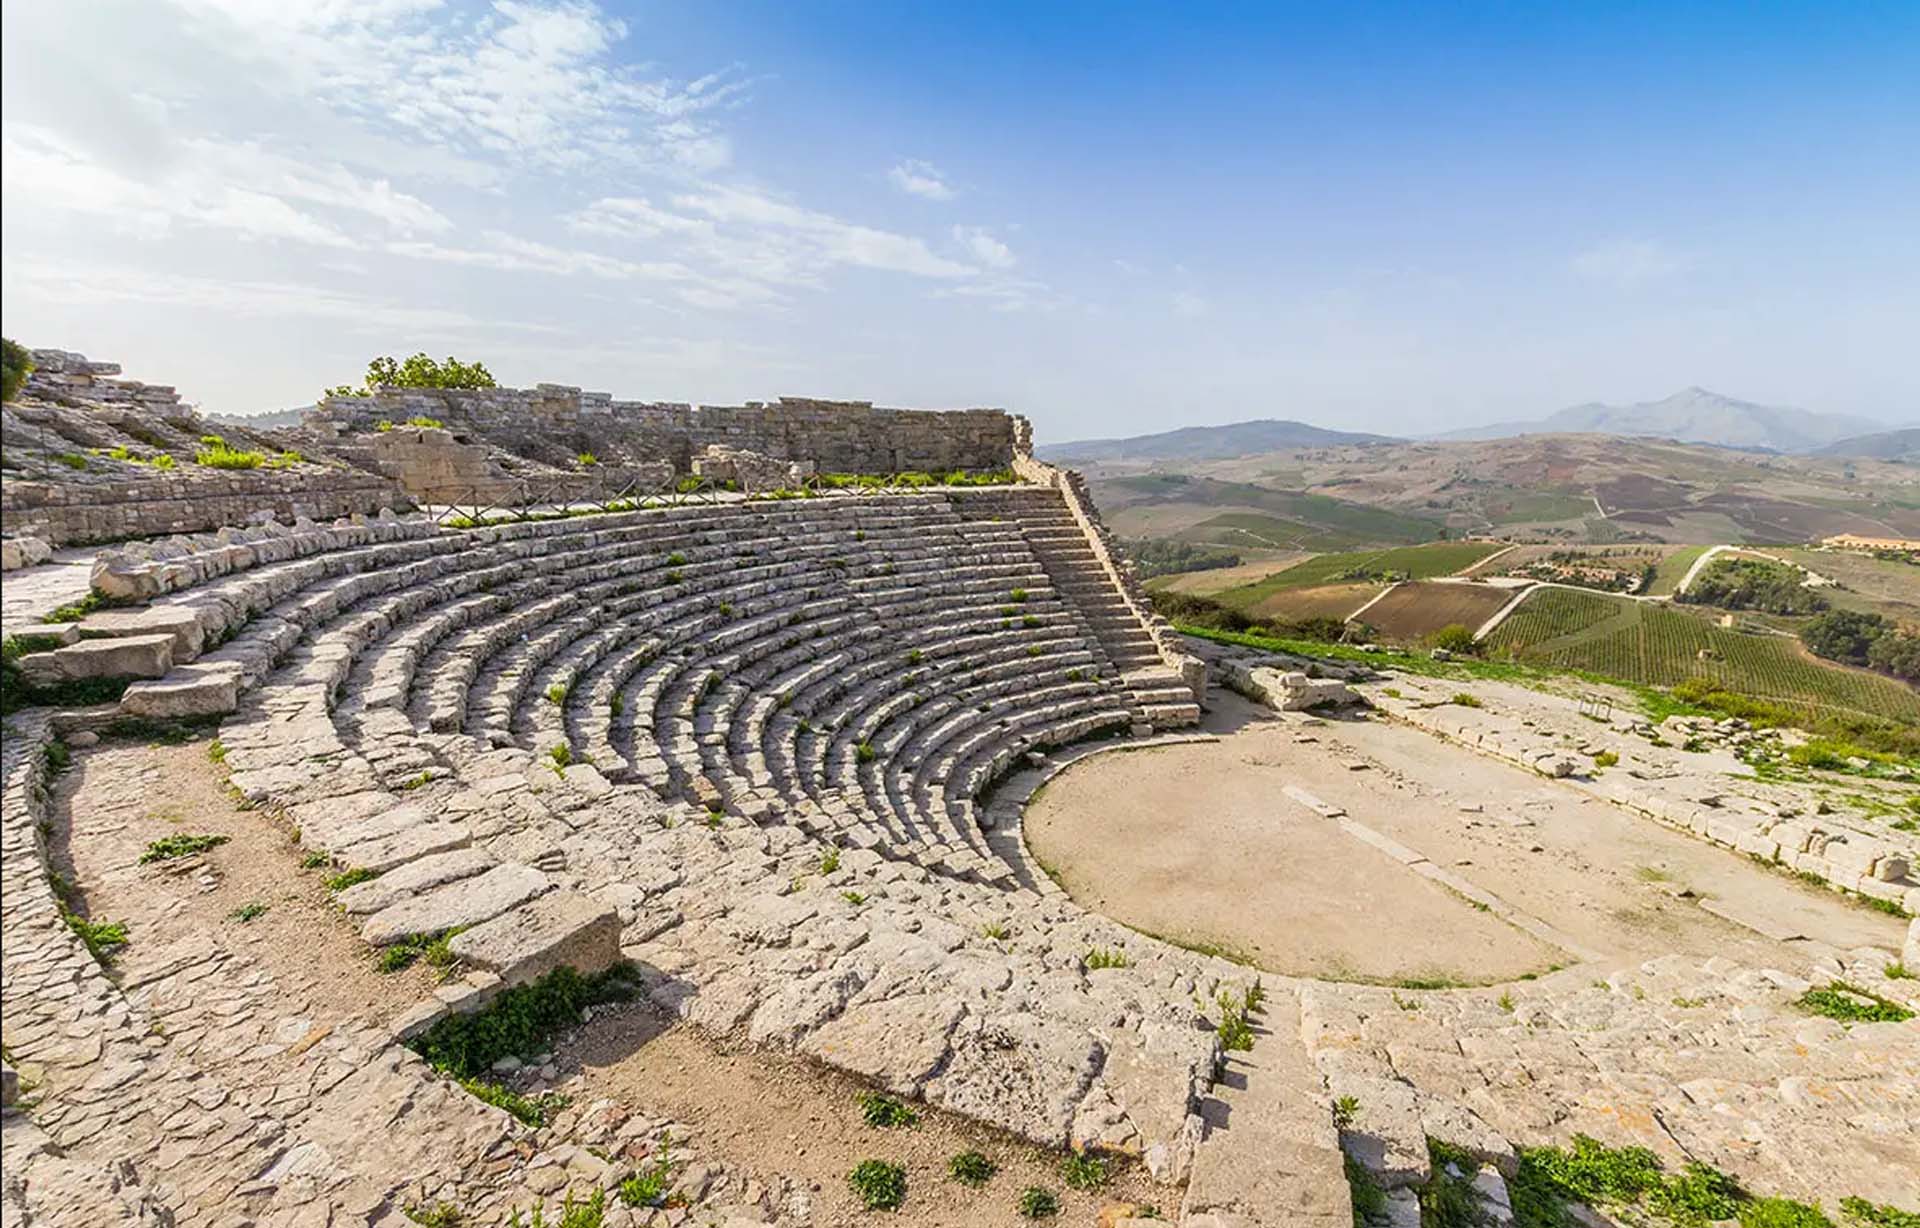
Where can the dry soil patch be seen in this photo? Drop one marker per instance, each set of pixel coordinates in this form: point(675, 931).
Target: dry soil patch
point(122, 795)
point(758, 1110)
point(1197, 843)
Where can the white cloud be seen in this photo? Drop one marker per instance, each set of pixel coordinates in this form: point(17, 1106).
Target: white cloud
point(532, 83)
point(754, 237)
point(43, 176)
point(1007, 293)
point(66, 282)
point(462, 151)
point(508, 253)
point(1187, 303)
point(922, 179)
point(984, 248)
point(1628, 262)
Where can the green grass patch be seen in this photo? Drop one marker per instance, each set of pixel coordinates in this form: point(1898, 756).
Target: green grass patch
point(103, 939)
point(1877, 1215)
point(414, 948)
point(878, 1185)
point(219, 456)
point(1631, 1180)
point(1037, 1203)
point(1084, 1172)
point(349, 878)
point(884, 1112)
point(647, 1187)
point(74, 611)
point(170, 848)
point(971, 1169)
point(519, 1022)
point(1851, 1004)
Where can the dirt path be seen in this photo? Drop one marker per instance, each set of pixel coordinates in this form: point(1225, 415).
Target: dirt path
point(299, 967)
point(752, 1108)
point(249, 895)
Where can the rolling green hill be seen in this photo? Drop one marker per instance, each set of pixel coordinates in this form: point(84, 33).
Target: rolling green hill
point(1244, 515)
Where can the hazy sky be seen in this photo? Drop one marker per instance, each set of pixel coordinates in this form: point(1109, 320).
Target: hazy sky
point(1112, 218)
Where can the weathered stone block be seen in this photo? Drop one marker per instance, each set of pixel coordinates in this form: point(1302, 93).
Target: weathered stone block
point(468, 902)
point(563, 928)
point(212, 692)
point(136, 656)
point(181, 622)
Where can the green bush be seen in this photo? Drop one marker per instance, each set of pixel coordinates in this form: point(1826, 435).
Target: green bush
point(1159, 557)
point(648, 1186)
point(103, 939)
point(1754, 584)
point(1844, 635)
point(418, 371)
point(1036, 1203)
point(517, 1022)
point(350, 878)
point(16, 363)
point(1082, 1172)
point(1455, 638)
point(878, 1185)
point(886, 1113)
point(1873, 1215)
point(970, 1168)
point(1782, 1213)
point(220, 456)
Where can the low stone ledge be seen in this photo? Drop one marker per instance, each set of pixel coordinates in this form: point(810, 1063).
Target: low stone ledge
point(134, 656)
point(193, 691)
point(560, 928)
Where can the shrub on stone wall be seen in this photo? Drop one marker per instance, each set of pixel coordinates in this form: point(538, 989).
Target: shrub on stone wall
point(15, 365)
point(220, 456)
point(418, 371)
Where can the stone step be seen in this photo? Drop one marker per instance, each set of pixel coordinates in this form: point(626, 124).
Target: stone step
point(1270, 1154)
point(558, 929)
point(455, 904)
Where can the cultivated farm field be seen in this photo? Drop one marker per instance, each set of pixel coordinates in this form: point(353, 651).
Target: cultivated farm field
point(1415, 611)
point(1879, 586)
point(1651, 643)
point(1415, 562)
point(1320, 601)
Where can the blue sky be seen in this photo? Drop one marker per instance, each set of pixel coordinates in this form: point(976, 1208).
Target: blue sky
point(1112, 218)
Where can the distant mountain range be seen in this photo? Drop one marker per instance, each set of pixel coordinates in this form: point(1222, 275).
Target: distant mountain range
point(1209, 442)
point(267, 419)
point(1901, 445)
point(1693, 415)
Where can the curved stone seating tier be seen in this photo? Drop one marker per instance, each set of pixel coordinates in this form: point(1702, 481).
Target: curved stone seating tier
point(863, 665)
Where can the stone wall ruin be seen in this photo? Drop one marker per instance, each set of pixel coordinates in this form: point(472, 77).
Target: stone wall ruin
point(554, 423)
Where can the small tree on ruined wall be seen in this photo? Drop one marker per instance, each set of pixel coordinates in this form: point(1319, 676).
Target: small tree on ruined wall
point(16, 363)
point(418, 371)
